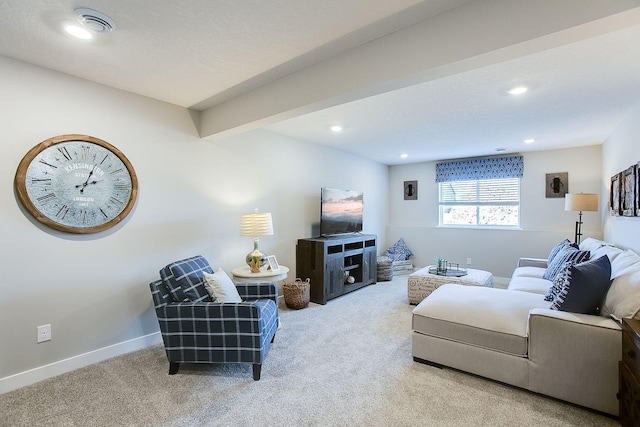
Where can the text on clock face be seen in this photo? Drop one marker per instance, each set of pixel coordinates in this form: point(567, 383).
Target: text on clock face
point(76, 166)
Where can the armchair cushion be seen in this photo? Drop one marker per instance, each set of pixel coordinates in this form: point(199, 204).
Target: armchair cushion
point(220, 287)
point(184, 279)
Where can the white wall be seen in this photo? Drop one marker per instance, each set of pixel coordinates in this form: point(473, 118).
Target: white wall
point(93, 289)
point(543, 221)
point(621, 150)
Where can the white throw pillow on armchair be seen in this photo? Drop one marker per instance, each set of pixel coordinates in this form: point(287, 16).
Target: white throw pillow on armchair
point(221, 287)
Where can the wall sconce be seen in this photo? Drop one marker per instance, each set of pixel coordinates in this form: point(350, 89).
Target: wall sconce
point(256, 224)
point(580, 202)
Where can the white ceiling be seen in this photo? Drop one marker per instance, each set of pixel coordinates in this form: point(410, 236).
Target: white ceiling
point(202, 53)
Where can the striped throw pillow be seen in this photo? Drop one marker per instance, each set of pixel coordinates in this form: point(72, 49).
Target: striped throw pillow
point(565, 254)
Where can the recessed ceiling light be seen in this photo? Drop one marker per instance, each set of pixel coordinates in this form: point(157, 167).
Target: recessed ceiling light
point(77, 31)
point(529, 141)
point(404, 155)
point(518, 90)
point(336, 128)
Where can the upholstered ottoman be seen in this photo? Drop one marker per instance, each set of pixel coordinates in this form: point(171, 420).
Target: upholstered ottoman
point(421, 283)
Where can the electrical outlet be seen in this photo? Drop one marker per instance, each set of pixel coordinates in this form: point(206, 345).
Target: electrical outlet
point(468, 261)
point(44, 333)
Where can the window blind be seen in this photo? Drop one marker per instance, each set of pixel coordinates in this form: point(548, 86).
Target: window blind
point(481, 192)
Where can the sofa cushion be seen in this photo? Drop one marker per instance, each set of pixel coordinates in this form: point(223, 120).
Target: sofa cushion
point(611, 251)
point(623, 261)
point(534, 285)
point(184, 279)
point(568, 253)
point(623, 298)
point(536, 272)
point(590, 244)
point(490, 318)
point(585, 289)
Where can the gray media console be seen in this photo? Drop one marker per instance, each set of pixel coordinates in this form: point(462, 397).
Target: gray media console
point(336, 265)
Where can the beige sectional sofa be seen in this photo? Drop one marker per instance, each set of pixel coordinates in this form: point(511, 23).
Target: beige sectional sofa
point(513, 336)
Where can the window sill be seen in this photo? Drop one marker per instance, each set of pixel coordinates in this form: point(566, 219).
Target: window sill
point(483, 227)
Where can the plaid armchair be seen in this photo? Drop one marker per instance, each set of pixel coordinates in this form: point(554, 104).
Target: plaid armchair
point(196, 329)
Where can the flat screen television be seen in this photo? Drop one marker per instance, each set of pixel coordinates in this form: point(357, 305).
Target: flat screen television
point(340, 211)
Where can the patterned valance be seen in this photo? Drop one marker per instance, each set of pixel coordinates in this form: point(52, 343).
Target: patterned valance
point(485, 168)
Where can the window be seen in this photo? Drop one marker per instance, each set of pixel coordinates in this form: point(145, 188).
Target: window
point(483, 202)
point(480, 192)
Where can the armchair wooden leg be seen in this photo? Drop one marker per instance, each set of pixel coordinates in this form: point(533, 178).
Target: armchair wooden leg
point(273, 338)
point(173, 368)
point(257, 367)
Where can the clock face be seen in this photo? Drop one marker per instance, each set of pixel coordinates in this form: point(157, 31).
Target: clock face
point(76, 183)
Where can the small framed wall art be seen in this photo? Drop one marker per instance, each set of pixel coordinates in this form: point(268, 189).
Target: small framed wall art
point(557, 185)
point(411, 190)
point(628, 191)
point(614, 195)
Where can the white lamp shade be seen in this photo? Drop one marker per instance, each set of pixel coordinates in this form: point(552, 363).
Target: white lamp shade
point(256, 224)
point(581, 202)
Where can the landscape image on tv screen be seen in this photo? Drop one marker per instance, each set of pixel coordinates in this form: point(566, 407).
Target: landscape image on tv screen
point(341, 211)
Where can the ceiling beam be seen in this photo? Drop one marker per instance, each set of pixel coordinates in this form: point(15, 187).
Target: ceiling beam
point(477, 34)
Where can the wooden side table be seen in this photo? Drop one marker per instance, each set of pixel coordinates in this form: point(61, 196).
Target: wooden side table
point(629, 374)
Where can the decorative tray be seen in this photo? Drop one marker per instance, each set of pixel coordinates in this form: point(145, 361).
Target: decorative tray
point(451, 272)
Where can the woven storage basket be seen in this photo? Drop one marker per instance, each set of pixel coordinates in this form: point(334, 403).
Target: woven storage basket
point(296, 294)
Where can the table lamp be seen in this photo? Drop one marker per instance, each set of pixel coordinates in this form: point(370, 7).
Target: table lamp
point(256, 224)
point(580, 202)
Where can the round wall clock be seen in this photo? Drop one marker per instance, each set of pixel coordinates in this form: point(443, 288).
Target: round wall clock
point(76, 183)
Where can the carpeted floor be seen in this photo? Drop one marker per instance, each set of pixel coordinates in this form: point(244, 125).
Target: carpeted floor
point(347, 363)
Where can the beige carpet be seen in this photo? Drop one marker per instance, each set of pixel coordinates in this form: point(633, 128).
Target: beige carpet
point(347, 363)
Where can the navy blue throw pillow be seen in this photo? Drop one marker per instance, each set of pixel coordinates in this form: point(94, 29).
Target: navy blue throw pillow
point(586, 287)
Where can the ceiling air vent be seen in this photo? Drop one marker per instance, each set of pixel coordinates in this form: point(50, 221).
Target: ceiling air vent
point(94, 20)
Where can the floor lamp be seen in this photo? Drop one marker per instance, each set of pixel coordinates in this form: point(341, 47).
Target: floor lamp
point(580, 202)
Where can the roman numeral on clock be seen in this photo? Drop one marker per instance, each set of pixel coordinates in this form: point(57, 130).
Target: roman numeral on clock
point(48, 164)
point(45, 181)
point(116, 201)
point(64, 152)
point(63, 212)
point(46, 198)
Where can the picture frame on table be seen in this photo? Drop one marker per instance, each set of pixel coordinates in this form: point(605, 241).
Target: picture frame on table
point(273, 263)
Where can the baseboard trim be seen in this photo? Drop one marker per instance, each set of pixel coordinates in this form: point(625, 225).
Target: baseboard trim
point(40, 373)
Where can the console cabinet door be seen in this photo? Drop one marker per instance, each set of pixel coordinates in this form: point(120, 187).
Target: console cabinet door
point(370, 261)
point(333, 277)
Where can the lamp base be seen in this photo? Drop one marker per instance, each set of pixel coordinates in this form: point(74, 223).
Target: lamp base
point(255, 259)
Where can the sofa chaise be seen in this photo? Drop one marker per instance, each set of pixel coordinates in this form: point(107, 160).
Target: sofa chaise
point(525, 336)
